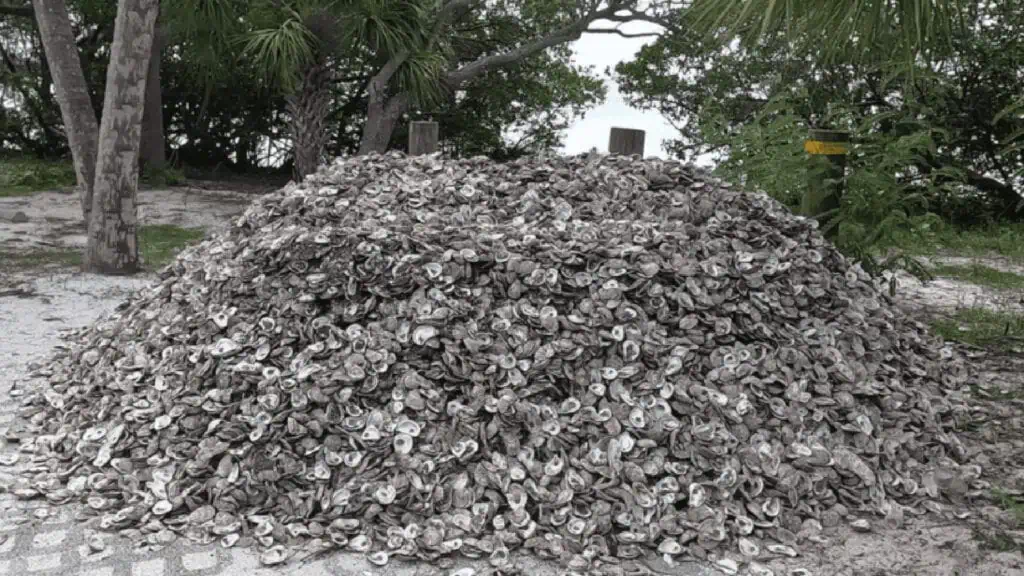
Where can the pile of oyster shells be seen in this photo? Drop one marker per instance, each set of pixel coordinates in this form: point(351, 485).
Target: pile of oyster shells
point(590, 358)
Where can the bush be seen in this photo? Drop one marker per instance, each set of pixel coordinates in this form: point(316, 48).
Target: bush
point(24, 175)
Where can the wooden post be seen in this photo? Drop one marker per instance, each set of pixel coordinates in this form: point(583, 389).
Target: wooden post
point(423, 137)
point(828, 149)
point(626, 141)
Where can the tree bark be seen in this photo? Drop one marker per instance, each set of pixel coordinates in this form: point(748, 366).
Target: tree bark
point(382, 111)
point(382, 116)
point(112, 245)
point(72, 93)
point(308, 110)
point(152, 154)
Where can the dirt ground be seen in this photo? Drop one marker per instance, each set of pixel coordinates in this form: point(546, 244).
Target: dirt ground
point(984, 538)
point(54, 219)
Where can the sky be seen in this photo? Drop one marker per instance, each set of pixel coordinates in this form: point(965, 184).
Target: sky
point(607, 50)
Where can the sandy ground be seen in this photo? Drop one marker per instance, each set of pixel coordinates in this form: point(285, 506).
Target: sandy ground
point(35, 306)
point(54, 219)
point(948, 294)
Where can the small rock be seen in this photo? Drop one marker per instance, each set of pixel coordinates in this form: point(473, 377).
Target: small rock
point(19, 217)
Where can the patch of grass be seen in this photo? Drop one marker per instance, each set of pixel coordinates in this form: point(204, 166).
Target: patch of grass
point(160, 243)
point(980, 327)
point(998, 539)
point(997, 542)
point(1004, 239)
point(983, 276)
point(62, 257)
point(162, 177)
point(1012, 504)
point(21, 175)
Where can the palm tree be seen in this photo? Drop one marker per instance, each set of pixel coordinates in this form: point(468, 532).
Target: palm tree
point(297, 44)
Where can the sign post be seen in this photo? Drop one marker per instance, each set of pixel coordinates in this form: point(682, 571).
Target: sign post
point(828, 150)
point(626, 141)
point(423, 137)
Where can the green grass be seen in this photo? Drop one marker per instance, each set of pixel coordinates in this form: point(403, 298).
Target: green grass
point(980, 327)
point(61, 257)
point(997, 539)
point(1012, 504)
point(997, 239)
point(158, 245)
point(982, 276)
point(21, 175)
point(161, 178)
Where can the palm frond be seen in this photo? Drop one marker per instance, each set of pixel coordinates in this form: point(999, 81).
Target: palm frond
point(386, 26)
point(281, 52)
point(857, 28)
point(421, 75)
point(211, 20)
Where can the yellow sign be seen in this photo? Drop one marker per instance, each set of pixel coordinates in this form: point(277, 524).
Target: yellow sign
point(825, 148)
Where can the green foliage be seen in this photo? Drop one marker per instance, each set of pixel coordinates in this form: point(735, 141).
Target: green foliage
point(861, 29)
point(880, 206)
point(935, 142)
point(21, 175)
point(283, 51)
point(511, 112)
point(214, 47)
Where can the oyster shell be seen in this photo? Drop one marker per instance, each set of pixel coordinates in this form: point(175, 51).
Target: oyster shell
point(412, 357)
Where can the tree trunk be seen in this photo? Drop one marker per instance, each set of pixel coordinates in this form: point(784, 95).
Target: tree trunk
point(382, 115)
point(151, 150)
point(309, 109)
point(112, 245)
point(382, 111)
point(72, 93)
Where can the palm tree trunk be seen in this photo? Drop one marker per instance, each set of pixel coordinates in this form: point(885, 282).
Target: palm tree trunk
point(72, 93)
point(151, 150)
point(309, 109)
point(112, 245)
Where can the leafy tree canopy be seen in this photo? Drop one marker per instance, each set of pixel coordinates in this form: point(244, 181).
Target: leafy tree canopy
point(936, 137)
point(214, 46)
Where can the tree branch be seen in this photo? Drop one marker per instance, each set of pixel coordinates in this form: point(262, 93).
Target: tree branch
point(450, 11)
point(630, 15)
point(572, 31)
point(454, 8)
point(379, 82)
point(21, 11)
point(618, 32)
